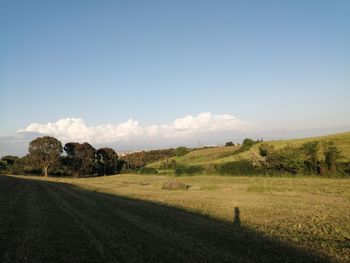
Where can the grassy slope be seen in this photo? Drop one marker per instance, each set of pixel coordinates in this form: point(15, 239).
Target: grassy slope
point(128, 218)
point(226, 154)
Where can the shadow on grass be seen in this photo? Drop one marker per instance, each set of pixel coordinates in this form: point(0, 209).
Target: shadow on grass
point(56, 222)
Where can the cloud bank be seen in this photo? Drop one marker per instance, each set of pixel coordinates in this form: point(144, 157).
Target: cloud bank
point(75, 129)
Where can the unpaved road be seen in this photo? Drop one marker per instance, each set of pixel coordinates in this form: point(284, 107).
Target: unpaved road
point(42, 221)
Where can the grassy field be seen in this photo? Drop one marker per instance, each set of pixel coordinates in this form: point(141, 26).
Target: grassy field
point(227, 154)
point(128, 218)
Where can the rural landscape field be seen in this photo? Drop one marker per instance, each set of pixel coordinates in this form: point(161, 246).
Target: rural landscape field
point(125, 217)
point(133, 218)
point(174, 131)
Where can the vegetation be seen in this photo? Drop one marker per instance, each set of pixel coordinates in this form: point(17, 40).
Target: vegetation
point(80, 158)
point(106, 161)
point(188, 170)
point(181, 151)
point(242, 167)
point(45, 152)
point(314, 157)
point(148, 170)
point(229, 144)
point(209, 218)
point(137, 160)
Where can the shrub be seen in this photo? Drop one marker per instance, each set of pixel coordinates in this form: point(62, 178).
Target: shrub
point(189, 170)
point(287, 159)
point(266, 150)
point(256, 160)
point(181, 151)
point(248, 143)
point(242, 167)
point(331, 156)
point(229, 144)
point(3, 165)
point(148, 170)
point(344, 168)
point(61, 171)
point(311, 152)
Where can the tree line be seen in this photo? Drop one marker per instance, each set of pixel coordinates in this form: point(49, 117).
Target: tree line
point(313, 157)
point(45, 155)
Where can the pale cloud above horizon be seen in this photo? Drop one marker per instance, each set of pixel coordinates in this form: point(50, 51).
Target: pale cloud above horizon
point(75, 129)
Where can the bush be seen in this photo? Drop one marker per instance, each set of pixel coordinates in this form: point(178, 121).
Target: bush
point(32, 170)
point(181, 151)
point(189, 170)
point(248, 143)
point(287, 159)
point(256, 160)
point(62, 171)
point(331, 156)
point(242, 167)
point(148, 170)
point(344, 168)
point(3, 165)
point(266, 150)
point(311, 152)
point(229, 144)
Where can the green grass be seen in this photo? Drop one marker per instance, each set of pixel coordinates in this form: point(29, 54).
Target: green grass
point(217, 155)
point(128, 218)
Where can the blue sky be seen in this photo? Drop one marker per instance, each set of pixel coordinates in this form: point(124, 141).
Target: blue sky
point(270, 63)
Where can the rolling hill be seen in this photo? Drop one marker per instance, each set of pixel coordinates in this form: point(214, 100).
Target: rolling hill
point(222, 154)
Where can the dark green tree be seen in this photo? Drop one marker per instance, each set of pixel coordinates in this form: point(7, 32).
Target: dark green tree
point(287, 159)
point(106, 161)
point(45, 152)
point(247, 144)
point(80, 158)
point(181, 151)
point(311, 151)
point(10, 159)
point(265, 150)
point(331, 155)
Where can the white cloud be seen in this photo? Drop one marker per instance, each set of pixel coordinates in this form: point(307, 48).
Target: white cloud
point(75, 129)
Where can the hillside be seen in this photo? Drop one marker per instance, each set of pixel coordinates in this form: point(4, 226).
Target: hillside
point(224, 154)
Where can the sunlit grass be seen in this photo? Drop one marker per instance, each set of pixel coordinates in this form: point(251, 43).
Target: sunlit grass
point(311, 212)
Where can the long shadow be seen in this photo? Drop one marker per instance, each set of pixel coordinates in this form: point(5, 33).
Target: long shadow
point(45, 221)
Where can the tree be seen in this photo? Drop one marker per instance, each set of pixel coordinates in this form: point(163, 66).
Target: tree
point(181, 151)
point(247, 144)
point(80, 157)
point(311, 152)
point(287, 159)
point(3, 165)
point(265, 150)
point(106, 161)
point(45, 152)
point(331, 155)
point(10, 159)
point(229, 144)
